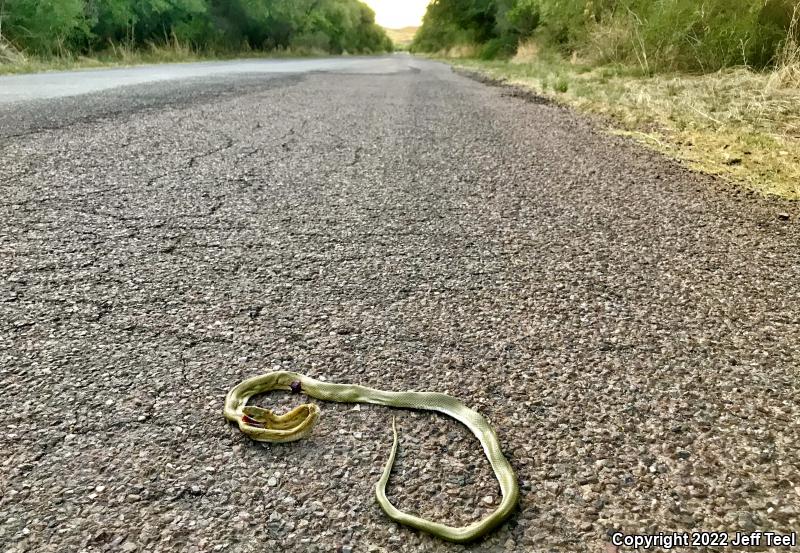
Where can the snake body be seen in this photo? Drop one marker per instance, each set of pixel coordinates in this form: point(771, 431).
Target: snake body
point(263, 425)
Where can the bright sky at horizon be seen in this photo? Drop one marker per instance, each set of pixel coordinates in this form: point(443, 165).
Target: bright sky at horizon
point(396, 14)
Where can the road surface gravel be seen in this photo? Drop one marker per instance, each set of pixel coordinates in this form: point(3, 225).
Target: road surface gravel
point(632, 329)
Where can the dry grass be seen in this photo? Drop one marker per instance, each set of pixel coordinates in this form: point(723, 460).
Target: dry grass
point(172, 51)
point(610, 43)
point(787, 73)
point(121, 55)
point(115, 55)
point(9, 54)
point(738, 124)
point(402, 37)
point(527, 52)
point(460, 52)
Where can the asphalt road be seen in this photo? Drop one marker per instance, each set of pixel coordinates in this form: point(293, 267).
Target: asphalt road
point(60, 84)
point(630, 328)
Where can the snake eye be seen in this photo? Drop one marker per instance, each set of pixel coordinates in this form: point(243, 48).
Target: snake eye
point(296, 387)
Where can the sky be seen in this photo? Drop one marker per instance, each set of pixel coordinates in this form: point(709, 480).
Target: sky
point(398, 13)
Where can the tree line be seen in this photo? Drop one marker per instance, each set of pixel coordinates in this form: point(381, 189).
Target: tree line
point(52, 27)
point(666, 34)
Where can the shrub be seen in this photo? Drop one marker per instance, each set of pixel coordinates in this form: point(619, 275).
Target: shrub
point(499, 48)
point(45, 26)
point(524, 17)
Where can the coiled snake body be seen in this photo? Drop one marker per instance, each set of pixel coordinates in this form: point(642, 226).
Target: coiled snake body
point(263, 425)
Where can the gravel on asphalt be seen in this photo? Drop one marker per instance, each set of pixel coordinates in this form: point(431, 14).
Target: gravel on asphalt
point(631, 329)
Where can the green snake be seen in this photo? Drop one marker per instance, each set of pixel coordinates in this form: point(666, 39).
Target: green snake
point(264, 426)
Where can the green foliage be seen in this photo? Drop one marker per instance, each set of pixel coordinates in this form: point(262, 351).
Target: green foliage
point(454, 22)
point(113, 20)
point(524, 16)
point(686, 35)
point(653, 34)
point(44, 26)
point(501, 47)
point(81, 26)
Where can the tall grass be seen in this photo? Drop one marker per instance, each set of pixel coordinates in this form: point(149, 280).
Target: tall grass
point(787, 66)
point(9, 54)
point(685, 35)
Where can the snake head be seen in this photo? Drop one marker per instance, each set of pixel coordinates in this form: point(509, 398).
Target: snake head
point(257, 416)
point(251, 422)
point(265, 426)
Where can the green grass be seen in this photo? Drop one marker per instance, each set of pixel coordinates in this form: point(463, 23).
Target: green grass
point(740, 124)
point(561, 85)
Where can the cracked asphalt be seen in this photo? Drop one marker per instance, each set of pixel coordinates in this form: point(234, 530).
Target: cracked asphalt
point(630, 328)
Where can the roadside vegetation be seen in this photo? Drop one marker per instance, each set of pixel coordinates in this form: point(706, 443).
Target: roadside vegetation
point(39, 34)
point(715, 84)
